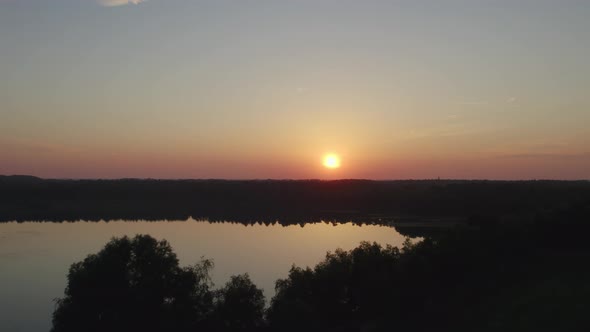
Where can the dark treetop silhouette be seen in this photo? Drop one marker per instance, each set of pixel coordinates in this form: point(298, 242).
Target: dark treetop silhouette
point(493, 277)
point(137, 285)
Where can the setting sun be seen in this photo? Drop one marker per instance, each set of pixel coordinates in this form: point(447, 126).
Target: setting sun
point(331, 161)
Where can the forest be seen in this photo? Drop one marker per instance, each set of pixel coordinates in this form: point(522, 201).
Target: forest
point(25, 198)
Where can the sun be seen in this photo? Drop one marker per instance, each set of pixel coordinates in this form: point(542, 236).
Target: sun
point(331, 161)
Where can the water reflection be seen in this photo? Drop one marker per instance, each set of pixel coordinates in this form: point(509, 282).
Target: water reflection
point(36, 256)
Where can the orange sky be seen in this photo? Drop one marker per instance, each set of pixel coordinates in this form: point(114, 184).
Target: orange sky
point(208, 89)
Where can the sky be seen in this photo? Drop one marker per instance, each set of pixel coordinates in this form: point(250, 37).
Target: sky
point(250, 89)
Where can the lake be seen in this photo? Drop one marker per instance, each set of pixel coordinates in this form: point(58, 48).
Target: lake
point(35, 257)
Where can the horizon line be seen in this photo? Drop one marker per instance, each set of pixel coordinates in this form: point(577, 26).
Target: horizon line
point(290, 179)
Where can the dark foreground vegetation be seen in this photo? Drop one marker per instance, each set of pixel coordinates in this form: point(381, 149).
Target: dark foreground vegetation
point(516, 261)
point(25, 198)
point(528, 276)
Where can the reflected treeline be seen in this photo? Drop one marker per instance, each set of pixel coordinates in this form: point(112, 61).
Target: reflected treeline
point(409, 227)
point(290, 202)
point(528, 276)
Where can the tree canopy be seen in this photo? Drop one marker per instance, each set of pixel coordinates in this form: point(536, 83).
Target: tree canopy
point(493, 278)
point(134, 285)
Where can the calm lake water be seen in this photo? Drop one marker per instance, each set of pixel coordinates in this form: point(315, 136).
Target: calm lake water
point(35, 257)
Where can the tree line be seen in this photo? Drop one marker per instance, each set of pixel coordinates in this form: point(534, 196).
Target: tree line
point(33, 199)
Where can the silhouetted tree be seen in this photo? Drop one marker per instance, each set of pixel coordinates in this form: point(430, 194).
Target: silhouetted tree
point(239, 305)
point(134, 285)
point(346, 290)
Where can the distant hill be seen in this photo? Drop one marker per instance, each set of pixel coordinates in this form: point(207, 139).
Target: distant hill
point(19, 178)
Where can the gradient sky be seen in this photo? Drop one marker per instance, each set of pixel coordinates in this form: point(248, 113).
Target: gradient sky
point(263, 89)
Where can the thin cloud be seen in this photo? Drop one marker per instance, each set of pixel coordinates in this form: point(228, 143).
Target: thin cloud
point(115, 3)
point(555, 156)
